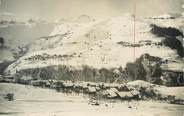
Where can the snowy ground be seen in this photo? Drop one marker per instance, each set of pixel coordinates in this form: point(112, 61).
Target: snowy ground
point(31, 101)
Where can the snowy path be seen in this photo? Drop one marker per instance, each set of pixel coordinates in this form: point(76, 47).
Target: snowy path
point(30, 101)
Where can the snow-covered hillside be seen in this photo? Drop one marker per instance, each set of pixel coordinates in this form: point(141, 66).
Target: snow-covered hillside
point(19, 32)
point(107, 43)
point(7, 19)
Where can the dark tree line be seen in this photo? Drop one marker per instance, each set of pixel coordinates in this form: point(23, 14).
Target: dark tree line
point(170, 34)
point(2, 41)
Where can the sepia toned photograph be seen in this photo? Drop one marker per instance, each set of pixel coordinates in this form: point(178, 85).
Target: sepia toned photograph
point(91, 57)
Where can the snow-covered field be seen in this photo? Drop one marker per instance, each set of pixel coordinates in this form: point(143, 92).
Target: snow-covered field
point(31, 101)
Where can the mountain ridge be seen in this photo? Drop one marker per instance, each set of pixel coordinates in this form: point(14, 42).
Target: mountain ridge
point(104, 43)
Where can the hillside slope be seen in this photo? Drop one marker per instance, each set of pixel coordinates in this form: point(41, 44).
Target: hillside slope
point(107, 43)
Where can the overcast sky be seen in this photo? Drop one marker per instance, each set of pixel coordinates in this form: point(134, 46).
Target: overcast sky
point(54, 9)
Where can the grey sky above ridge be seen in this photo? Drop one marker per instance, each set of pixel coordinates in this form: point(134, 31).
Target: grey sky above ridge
point(54, 9)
